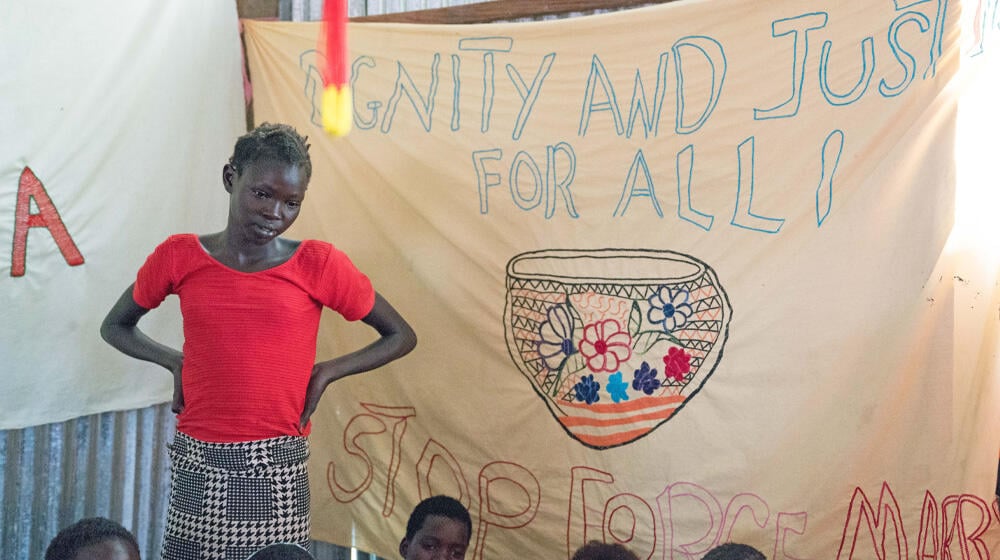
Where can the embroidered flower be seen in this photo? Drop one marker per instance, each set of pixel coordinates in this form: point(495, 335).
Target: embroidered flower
point(605, 345)
point(617, 388)
point(587, 389)
point(645, 379)
point(676, 363)
point(669, 309)
point(556, 334)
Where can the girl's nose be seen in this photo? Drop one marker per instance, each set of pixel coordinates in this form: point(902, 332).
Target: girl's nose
point(273, 209)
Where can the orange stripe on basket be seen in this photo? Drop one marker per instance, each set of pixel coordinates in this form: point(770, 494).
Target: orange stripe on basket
point(612, 439)
point(627, 406)
point(628, 420)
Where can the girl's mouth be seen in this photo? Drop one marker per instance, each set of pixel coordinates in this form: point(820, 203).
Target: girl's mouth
point(264, 230)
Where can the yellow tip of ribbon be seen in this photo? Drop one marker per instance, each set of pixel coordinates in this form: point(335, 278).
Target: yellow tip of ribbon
point(337, 109)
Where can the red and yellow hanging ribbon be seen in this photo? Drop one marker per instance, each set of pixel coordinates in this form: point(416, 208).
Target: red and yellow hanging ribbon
point(337, 107)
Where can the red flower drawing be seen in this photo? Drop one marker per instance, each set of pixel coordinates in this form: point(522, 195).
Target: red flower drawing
point(605, 345)
point(676, 363)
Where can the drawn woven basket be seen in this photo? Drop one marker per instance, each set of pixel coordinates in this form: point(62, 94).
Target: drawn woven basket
point(570, 314)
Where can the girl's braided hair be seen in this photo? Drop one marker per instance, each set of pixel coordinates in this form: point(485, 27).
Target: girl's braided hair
point(278, 142)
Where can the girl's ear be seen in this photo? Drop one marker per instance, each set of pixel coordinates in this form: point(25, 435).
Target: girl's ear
point(228, 176)
point(404, 545)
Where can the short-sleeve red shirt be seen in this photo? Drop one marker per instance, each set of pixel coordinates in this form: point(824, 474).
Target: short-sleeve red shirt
point(249, 337)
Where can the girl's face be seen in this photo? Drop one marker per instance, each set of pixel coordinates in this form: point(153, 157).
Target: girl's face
point(264, 200)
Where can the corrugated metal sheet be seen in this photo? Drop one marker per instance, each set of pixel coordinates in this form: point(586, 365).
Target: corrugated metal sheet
point(112, 464)
point(312, 10)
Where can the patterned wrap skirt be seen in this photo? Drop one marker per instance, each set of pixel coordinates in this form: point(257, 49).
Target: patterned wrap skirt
point(228, 500)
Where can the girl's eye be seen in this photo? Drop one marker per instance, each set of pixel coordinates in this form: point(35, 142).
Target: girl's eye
point(294, 203)
point(259, 194)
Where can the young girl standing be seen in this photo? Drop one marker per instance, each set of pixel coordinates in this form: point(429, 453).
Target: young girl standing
point(245, 383)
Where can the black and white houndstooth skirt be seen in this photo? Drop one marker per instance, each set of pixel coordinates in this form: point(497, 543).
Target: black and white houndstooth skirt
point(228, 500)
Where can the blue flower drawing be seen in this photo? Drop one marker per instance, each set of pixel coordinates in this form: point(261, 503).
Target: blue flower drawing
point(669, 308)
point(645, 379)
point(617, 388)
point(587, 390)
point(556, 334)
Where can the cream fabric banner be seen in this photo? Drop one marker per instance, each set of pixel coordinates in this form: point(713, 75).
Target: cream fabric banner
point(117, 119)
point(680, 276)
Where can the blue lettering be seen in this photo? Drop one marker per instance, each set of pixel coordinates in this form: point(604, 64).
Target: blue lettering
point(630, 190)
point(743, 216)
point(795, 26)
point(599, 76)
point(405, 86)
point(716, 57)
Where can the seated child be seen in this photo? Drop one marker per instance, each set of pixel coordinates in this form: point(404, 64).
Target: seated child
point(93, 538)
point(438, 524)
point(282, 551)
point(596, 550)
point(734, 551)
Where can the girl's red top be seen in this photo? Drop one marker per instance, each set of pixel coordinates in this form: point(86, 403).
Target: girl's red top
point(249, 337)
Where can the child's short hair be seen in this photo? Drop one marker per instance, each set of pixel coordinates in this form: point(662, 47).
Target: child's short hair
point(281, 551)
point(734, 551)
point(597, 550)
point(85, 532)
point(272, 141)
point(445, 506)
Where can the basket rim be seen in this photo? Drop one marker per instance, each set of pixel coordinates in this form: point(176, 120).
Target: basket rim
point(699, 268)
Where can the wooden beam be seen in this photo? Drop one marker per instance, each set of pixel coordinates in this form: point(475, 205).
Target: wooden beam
point(257, 9)
point(501, 10)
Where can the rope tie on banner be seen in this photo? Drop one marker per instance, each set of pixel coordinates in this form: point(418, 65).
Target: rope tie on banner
point(337, 107)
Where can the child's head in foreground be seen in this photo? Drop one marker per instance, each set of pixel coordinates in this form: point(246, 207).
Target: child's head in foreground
point(596, 550)
point(734, 551)
point(93, 538)
point(282, 551)
point(439, 523)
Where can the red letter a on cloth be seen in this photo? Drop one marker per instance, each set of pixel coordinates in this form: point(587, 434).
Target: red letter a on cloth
point(29, 187)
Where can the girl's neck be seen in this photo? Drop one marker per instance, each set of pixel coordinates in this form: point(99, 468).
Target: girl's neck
point(247, 257)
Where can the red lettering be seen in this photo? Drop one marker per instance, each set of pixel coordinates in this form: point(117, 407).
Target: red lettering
point(861, 509)
point(370, 425)
point(640, 522)
point(760, 513)
point(670, 499)
point(784, 520)
point(928, 529)
point(493, 479)
point(28, 188)
point(956, 529)
point(432, 452)
point(578, 504)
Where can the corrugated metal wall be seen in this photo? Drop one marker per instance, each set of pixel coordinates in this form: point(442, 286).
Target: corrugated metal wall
point(115, 464)
point(112, 464)
point(312, 10)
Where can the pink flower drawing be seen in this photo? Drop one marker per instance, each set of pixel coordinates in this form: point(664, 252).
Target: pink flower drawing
point(605, 345)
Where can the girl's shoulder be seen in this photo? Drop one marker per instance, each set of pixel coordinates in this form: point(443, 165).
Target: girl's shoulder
point(178, 242)
point(322, 255)
point(183, 239)
point(312, 249)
